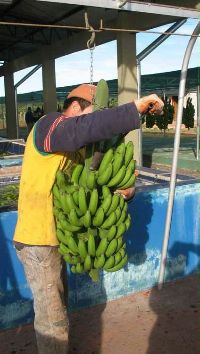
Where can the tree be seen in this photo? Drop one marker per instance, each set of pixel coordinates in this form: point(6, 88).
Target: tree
point(188, 114)
point(167, 116)
point(150, 121)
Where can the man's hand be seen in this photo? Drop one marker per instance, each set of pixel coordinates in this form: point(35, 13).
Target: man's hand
point(151, 104)
point(126, 193)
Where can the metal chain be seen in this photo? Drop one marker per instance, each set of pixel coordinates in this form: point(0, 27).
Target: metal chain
point(91, 65)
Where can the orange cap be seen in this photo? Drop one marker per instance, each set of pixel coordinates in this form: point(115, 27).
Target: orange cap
point(85, 91)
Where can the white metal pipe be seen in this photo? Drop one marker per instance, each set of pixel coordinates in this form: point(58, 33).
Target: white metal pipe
point(140, 57)
point(160, 40)
point(197, 147)
point(175, 155)
point(140, 158)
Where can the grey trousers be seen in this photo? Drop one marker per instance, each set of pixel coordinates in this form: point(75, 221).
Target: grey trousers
point(44, 271)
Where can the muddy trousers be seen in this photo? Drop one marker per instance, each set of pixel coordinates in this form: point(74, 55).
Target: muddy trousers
point(44, 271)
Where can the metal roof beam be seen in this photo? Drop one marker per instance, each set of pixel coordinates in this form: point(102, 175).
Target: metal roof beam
point(136, 6)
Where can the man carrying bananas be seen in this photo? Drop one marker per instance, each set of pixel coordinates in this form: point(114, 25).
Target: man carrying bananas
point(55, 140)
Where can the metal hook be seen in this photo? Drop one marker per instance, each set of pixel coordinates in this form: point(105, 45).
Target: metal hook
point(91, 41)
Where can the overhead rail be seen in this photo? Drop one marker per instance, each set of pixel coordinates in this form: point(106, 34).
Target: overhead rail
point(175, 155)
point(100, 29)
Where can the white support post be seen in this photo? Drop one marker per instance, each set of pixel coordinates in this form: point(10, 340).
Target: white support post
point(10, 103)
point(49, 86)
point(127, 78)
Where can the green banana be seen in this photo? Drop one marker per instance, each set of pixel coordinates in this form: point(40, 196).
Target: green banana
point(83, 178)
point(86, 219)
point(68, 233)
point(105, 191)
point(121, 202)
point(128, 222)
point(111, 248)
point(129, 173)
point(72, 205)
point(71, 259)
point(111, 219)
point(118, 213)
point(75, 197)
point(66, 225)
point(87, 263)
point(129, 153)
point(101, 96)
point(121, 148)
point(114, 204)
point(119, 243)
point(73, 269)
point(121, 229)
point(60, 178)
point(102, 247)
point(82, 200)
point(72, 245)
point(122, 218)
point(73, 218)
point(91, 180)
point(111, 232)
point(76, 174)
point(122, 252)
point(118, 257)
point(55, 191)
point(93, 202)
point(120, 265)
point(57, 203)
point(91, 246)
point(70, 188)
point(99, 261)
point(82, 248)
point(117, 163)
point(118, 177)
point(98, 218)
point(106, 203)
point(105, 161)
point(56, 212)
point(130, 182)
point(63, 249)
point(104, 177)
point(79, 268)
point(64, 203)
point(61, 236)
point(109, 263)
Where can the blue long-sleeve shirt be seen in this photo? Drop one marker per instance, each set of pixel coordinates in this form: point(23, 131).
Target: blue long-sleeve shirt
point(57, 133)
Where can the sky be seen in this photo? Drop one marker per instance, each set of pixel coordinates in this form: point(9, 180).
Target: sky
point(75, 68)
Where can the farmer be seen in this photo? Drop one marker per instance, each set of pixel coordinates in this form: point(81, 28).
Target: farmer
point(29, 119)
point(55, 140)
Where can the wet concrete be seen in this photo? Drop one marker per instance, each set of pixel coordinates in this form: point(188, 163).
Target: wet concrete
point(150, 322)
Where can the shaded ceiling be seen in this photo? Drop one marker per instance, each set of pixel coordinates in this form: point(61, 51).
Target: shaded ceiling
point(16, 41)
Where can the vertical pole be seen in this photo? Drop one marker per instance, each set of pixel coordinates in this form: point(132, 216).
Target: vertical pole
point(127, 74)
point(10, 100)
point(16, 109)
point(197, 148)
point(175, 155)
point(140, 157)
point(49, 86)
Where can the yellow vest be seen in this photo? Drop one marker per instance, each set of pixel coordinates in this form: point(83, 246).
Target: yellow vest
point(35, 224)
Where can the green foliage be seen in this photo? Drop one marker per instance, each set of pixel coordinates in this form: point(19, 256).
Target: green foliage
point(188, 114)
point(167, 117)
point(150, 121)
point(9, 195)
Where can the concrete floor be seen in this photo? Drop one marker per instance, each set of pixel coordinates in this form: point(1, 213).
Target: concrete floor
point(150, 322)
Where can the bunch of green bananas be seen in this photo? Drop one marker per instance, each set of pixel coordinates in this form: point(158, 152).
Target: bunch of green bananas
point(90, 218)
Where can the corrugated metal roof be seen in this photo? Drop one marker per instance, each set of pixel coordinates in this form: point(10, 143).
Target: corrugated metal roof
point(16, 41)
